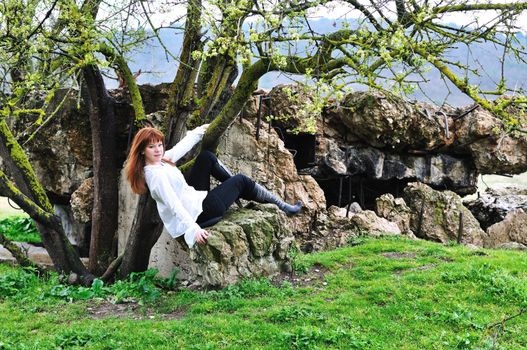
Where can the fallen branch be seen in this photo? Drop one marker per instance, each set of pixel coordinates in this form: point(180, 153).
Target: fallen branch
point(19, 254)
point(110, 271)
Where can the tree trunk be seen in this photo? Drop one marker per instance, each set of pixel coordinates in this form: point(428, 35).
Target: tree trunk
point(61, 252)
point(181, 101)
point(145, 232)
point(105, 173)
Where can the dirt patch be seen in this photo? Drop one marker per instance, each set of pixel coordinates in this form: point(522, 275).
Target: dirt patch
point(398, 255)
point(446, 259)
point(315, 276)
point(419, 268)
point(130, 310)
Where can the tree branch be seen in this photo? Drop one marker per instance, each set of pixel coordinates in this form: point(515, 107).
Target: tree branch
point(19, 254)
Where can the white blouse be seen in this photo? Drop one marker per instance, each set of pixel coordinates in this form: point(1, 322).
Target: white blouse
point(178, 204)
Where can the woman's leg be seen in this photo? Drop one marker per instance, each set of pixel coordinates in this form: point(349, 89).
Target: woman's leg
point(205, 165)
point(222, 196)
point(239, 186)
point(263, 195)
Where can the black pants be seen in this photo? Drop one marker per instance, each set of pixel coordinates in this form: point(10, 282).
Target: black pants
point(222, 196)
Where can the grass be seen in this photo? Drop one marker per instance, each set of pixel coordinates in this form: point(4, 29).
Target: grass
point(19, 229)
point(378, 294)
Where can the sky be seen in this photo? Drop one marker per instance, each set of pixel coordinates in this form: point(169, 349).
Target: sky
point(341, 10)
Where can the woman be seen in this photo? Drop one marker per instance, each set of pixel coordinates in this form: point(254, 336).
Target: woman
point(185, 203)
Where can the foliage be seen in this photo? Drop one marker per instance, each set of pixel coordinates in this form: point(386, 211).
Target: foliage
point(139, 286)
point(427, 296)
point(14, 283)
point(20, 229)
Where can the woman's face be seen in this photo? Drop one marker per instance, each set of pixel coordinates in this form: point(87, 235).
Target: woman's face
point(154, 153)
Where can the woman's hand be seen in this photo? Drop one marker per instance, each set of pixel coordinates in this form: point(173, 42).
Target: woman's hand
point(201, 236)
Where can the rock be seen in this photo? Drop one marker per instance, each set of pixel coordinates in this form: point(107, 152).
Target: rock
point(387, 121)
point(36, 254)
point(77, 232)
point(512, 246)
point(245, 244)
point(268, 162)
point(127, 206)
point(61, 152)
point(441, 216)
point(368, 223)
point(395, 210)
point(513, 229)
point(329, 230)
point(73, 279)
point(392, 125)
point(82, 201)
point(493, 205)
point(440, 170)
point(494, 150)
point(292, 107)
point(355, 208)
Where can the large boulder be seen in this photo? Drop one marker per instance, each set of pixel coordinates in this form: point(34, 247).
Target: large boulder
point(389, 123)
point(247, 243)
point(494, 150)
point(441, 216)
point(513, 229)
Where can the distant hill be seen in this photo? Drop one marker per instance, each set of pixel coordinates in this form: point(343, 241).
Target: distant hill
point(158, 67)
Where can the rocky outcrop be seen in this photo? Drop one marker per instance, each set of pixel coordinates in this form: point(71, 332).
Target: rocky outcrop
point(509, 233)
point(269, 163)
point(435, 170)
point(247, 243)
point(441, 216)
point(389, 123)
point(494, 150)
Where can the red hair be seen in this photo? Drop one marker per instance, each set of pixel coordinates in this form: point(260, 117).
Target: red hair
point(136, 158)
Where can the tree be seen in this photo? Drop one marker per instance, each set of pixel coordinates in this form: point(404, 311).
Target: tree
point(64, 43)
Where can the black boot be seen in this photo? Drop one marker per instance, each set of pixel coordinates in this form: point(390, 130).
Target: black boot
point(262, 195)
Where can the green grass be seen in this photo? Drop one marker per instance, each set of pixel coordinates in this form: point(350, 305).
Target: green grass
point(378, 294)
point(19, 229)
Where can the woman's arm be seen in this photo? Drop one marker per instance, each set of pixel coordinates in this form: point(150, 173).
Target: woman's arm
point(190, 140)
